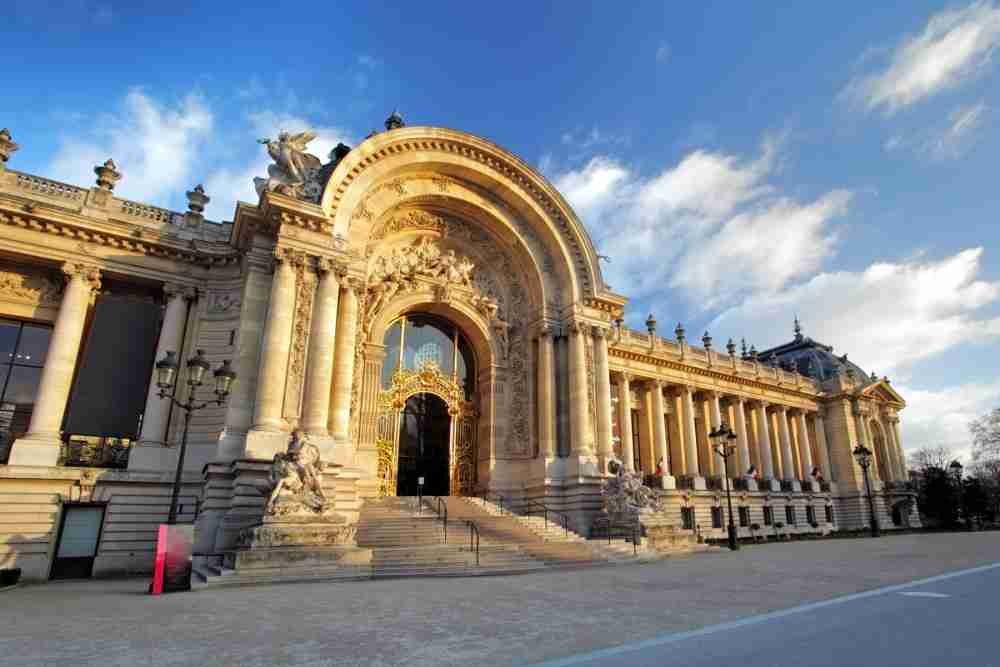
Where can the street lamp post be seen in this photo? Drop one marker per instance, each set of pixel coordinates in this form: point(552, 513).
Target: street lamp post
point(863, 456)
point(723, 440)
point(166, 375)
point(956, 470)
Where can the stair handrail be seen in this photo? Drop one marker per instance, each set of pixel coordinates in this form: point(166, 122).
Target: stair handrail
point(489, 497)
point(473, 533)
point(546, 510)
point(440, 508)
point(636, 532)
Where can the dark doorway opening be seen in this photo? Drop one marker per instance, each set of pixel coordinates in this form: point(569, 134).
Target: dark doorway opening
point(79, 536)
point(424, 437)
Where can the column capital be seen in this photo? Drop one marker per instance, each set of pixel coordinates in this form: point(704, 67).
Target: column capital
point(89, 273)
point(600, 332)
point(178, 291)
point(625, 376)
point(576, 327)
point(764, 405)
point(545, 330)
point(328, 265)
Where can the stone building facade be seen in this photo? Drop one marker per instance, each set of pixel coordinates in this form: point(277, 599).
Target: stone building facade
point(425, 306)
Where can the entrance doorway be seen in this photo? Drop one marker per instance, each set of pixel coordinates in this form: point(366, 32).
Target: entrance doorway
point(424, 438)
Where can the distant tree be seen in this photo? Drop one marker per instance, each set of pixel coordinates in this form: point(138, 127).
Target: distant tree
point(986, 442)
point(976, 505)
point(930, 457)
point(937, 497)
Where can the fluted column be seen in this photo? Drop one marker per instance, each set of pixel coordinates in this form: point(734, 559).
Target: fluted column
point(898, 444)
point(322, 341)
point(546, 390)
point(690, 436)
point(605, 448)
point(275, 346)
point(805, 448)
point(785, 438)
point(822, 449)
point(864, 437)
point(625, 420)
point(579, 399)
point(764, 441)
point(742, 442)
point(156, 414)
point(343, 371)
point(659, 426)
point(40, 445)
point(717, 464)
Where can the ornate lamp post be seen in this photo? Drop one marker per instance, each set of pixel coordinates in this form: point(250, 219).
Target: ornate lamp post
point(166, 375)
point(956, 470)
point(723, 441)
point(863, 456)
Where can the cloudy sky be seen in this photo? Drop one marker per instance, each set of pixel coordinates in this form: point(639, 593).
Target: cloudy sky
point(738, 165)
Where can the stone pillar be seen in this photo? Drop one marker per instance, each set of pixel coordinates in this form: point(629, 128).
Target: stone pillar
point(40, 445)
point(157, 412)
point(715, 411)
point(742, 442)
point(275, 347)
point(805, 448)
point(322, 340)
point(605, 448)
point(690, 436)
point(822, 450)
point(546, 391)
point(659, 426)
point(785, 438)
point(861, 429)
point(764, 441)
point(625, 420)
point(579, 399)
point(343, 371)
point(898, 444)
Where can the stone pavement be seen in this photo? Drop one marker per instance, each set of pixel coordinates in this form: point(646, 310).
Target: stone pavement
point(484, 621)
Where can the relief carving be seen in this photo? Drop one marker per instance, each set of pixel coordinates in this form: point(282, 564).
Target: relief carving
point(32, 288)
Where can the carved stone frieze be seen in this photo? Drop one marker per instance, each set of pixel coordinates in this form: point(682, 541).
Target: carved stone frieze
point(31, 288)
point(89, 273)
point(411, 220)
point(222, 303)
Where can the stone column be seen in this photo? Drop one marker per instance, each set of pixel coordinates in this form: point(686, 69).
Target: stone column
point(898, 444)
point(690, 436)
point(742, 442)
point(546, 391)
point(822, 450)
point(40, 445)
point(715, 412)
point(322, 340)
point(625, 420)
point(579, 399)
point(764, 441)
point(785, 438)
point(659, 425)
point(275, 347)
point(805, 448)
point(343, 371)
point(605, 448)
point(157, 412)
point(864, 437)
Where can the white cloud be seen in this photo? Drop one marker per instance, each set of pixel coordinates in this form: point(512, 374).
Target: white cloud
point(156, 146)
point(706, 225)
point(961, 125)
point(941, 417)
point(955, 45)
point(887, 317)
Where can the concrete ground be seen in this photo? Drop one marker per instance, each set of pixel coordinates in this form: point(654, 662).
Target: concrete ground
point(484, 621)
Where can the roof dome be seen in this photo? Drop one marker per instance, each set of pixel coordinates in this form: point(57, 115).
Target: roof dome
point(813, 359)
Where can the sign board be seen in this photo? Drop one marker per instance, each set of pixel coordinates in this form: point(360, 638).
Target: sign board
point(172, 567)
point(420, 481)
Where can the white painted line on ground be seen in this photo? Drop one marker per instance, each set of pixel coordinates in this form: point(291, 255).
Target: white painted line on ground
point(753, 620)
point(922, 594)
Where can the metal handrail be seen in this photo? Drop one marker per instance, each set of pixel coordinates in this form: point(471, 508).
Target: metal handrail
point(440, 508)
point(636, 532)
point(545, 514)
point(499, 499)
point(474, 534)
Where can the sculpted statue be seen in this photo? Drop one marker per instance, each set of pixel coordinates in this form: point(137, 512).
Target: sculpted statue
point(626, 494)
point(295, 482)
point(295, 172)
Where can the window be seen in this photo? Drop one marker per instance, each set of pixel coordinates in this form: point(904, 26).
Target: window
point(810, 514)
point(687, 518)
point(768, 515)
point(829, 513)
point(22, 354)
point(415, 340)
point(716, 517)
point(744, 517)
point(790, 515)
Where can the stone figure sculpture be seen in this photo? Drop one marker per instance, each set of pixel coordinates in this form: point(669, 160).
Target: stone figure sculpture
point(295, 172)
point(625, 494)
point(295, 482)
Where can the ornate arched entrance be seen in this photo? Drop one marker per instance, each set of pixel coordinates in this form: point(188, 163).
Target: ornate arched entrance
point(426, 409)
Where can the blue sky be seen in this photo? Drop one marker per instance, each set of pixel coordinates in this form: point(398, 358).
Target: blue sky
point(739, 164)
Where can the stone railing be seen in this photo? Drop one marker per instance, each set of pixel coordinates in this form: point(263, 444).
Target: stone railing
point(44, 186)
point(146, 212)
point(787, 485)
point(714, 483)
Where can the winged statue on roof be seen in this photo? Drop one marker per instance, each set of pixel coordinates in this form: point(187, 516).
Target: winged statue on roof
point(295, 172)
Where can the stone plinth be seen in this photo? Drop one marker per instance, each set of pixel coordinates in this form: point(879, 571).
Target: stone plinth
point(664, 537)
point(290, 543)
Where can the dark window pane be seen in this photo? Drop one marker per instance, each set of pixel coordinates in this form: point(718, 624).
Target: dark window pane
point(391, 342)
point(466, 367)
point(427, 341)
point(22, 386)
point(8, 339)
point(34, 344)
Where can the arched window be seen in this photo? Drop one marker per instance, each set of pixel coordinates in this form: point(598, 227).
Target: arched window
point(417, 339)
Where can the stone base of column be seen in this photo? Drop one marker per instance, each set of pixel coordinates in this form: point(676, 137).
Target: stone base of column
point(327, 448)
point(769, 485)
point(810, 486)
point(264, 445)
point(665, 482)
point(751, 484)
point(698, 483)
point(582, 466)
point(37, 450)
point(796, 485)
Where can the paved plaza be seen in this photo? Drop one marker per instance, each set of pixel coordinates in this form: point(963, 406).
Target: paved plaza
point(483, 621)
